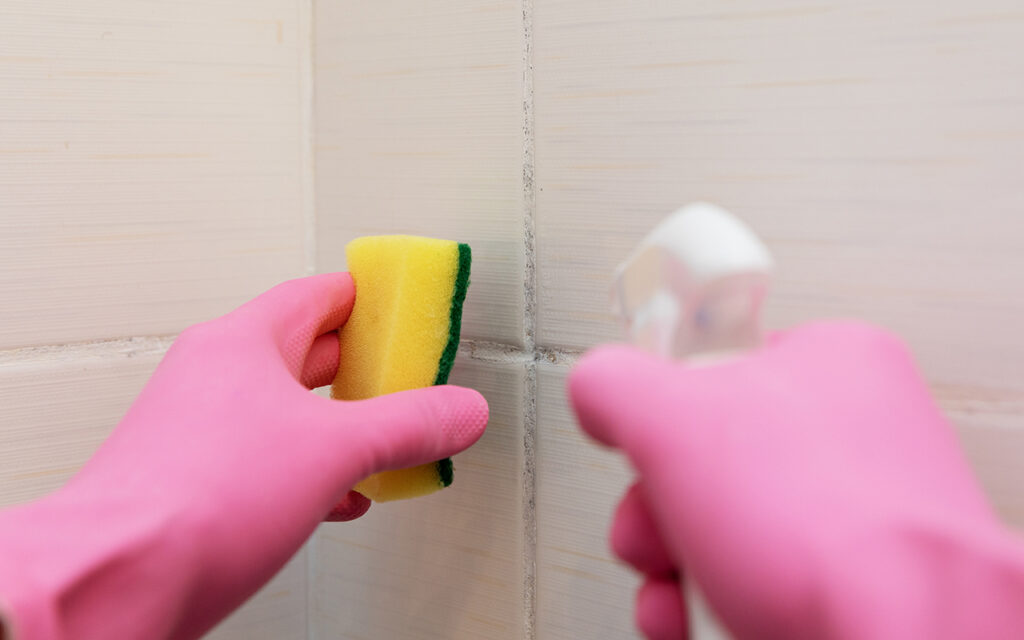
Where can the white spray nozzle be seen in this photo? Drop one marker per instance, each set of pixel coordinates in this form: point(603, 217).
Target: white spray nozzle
point(694, 285)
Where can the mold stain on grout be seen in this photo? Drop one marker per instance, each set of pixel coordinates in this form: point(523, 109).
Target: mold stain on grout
point(502, 353)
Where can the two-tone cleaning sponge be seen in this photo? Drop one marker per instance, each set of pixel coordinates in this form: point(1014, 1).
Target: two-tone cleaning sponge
point(403, 334)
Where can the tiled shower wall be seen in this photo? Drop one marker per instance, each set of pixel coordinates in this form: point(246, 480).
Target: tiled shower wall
point(162, 162)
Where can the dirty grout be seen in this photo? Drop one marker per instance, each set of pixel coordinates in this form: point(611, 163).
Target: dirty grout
point(529, 337)
point(112, 348)
point(502, 353)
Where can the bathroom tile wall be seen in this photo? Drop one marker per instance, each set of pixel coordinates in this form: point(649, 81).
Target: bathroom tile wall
point(163, 162)
point(419, 131)
point(151, 170)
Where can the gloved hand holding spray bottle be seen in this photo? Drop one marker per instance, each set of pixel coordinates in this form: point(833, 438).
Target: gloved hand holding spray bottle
point(806, 483)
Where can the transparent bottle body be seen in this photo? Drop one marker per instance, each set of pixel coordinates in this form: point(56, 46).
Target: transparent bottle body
point(679, 298)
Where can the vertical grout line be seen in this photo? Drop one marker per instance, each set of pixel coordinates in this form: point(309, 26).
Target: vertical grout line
point(529, 189)
point(530, 338)
point(307, 102)
point(530, 501)
point(307, 105)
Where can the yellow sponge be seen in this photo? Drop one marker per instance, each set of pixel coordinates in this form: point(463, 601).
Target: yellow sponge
point(403, 334)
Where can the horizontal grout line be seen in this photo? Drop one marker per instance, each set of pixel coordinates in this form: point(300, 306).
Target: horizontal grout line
point(562, 357)
point(480, 350)
point(498, 352)
point(118, 347)
point(501, 353)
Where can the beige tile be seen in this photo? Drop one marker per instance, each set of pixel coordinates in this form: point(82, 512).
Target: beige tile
point(276, 612)
point(150, 163)
point(990, 422)
point(419, 130)
point(877, 149)
point(996, 456)
point(582, 591)
point(56, 408)
point(444, 566)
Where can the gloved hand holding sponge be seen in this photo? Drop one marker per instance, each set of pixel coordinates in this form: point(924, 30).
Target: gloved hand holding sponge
point(226, 462)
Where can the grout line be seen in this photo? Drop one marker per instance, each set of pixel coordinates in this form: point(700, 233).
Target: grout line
point(530, 503)
point(307, 102)
point(501, 353)
point(529, 188)
point(563, 357)
point(495, 352)
point(529, 481)
point(114, 348)
point(479, 350)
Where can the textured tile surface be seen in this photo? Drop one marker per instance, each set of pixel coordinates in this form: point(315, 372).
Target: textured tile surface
point(582, 591)
point(56, 409)
point(877, 149)
point(419, 130)
point(443, 566)
point(149, 163)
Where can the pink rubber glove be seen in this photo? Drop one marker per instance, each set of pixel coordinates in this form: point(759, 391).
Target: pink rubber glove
point(812, 490)
point(219, 472)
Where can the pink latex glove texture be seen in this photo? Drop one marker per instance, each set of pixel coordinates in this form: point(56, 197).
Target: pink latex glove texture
point(812, 489)
point(221, 469)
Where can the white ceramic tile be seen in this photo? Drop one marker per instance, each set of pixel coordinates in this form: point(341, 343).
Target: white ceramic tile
point(443, 566)
point(419, 130)
point(55, 411)
point(149, 163)
point(276, 612)
point(876, 147)
point(582, 591)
